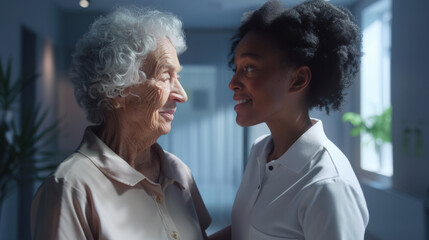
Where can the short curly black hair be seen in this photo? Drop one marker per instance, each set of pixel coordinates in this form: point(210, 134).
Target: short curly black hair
point(316, 34)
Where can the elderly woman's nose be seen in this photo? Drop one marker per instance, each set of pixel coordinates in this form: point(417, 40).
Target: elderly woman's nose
point(178, 94)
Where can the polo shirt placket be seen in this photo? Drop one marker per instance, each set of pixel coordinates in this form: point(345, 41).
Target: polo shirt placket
point(158, 197)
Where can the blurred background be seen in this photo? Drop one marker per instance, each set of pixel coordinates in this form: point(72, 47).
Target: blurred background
point(388, 146)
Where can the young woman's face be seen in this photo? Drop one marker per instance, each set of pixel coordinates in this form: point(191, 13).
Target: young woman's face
point(153, 106)
point(261, 81)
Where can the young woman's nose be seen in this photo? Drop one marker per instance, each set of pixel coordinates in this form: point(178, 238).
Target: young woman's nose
point(235, 84)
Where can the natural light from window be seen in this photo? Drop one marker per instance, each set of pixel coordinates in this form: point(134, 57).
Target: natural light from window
point(376, 155)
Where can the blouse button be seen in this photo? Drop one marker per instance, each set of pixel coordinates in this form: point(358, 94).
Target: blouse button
point(158, 199)
point(175, 235)
point(270, 168)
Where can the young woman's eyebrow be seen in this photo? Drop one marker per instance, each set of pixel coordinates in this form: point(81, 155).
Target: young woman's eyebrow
point(250, 55)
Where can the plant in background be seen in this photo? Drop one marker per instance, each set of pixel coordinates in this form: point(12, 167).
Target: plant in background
point(379, 127)
point(23, 146)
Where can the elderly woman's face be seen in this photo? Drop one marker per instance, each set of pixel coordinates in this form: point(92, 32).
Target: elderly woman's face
point(155, 105)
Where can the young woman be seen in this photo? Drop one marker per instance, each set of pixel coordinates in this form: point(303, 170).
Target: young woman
point(297, 183)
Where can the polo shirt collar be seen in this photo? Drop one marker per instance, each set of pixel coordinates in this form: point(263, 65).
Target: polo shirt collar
point(115, 167)
point(167, 166)
point(303, 150)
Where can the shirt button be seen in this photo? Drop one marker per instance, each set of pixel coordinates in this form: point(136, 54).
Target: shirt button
point(259, 186)
point(270, 168)
point(175, 235)
point(158, 199)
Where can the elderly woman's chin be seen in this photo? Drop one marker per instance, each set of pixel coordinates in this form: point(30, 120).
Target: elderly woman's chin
point(165, 128)
point(165, 118)
point(163, 125)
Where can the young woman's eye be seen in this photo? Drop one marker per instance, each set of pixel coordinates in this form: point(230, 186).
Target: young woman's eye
point(249, 68)
point(245, 69)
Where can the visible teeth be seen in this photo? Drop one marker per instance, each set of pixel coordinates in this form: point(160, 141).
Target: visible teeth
point(243, 101)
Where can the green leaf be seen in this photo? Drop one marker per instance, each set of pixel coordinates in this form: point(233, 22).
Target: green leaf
point(355, 131)
point(10, 90)
point(27, 157)
point(354, 118)
point(379, 127)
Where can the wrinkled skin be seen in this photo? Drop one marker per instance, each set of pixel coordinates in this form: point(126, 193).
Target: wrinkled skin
point(146, 111)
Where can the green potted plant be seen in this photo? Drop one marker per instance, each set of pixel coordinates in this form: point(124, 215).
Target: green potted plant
point(23, 153)
point(378, 127)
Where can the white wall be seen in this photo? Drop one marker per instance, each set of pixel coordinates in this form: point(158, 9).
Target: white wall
point(410, 52)
point(394, 215)
point(40, 16)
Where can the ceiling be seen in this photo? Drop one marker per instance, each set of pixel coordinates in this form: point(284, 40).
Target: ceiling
point(194, 13)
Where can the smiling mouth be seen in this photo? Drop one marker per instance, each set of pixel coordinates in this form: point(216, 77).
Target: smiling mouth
point(167, 114)
point(240, 101)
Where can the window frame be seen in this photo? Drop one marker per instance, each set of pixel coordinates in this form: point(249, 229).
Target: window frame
point(365, 175)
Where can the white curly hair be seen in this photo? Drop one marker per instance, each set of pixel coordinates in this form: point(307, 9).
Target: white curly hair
point(108, 58)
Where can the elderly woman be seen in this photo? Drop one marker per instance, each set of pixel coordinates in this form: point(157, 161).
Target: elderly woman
point(119, 183)
point(297, 183)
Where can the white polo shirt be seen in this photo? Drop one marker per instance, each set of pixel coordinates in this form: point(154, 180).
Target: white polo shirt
point(95, 194)
point(310, 192)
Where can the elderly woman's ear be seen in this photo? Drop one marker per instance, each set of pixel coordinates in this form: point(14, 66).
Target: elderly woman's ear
point(117, 105)
point(117, 102)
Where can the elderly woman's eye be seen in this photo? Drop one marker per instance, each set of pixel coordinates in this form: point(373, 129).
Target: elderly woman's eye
point(165, 77)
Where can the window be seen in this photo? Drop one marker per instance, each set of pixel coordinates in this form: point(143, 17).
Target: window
point(376, 156)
